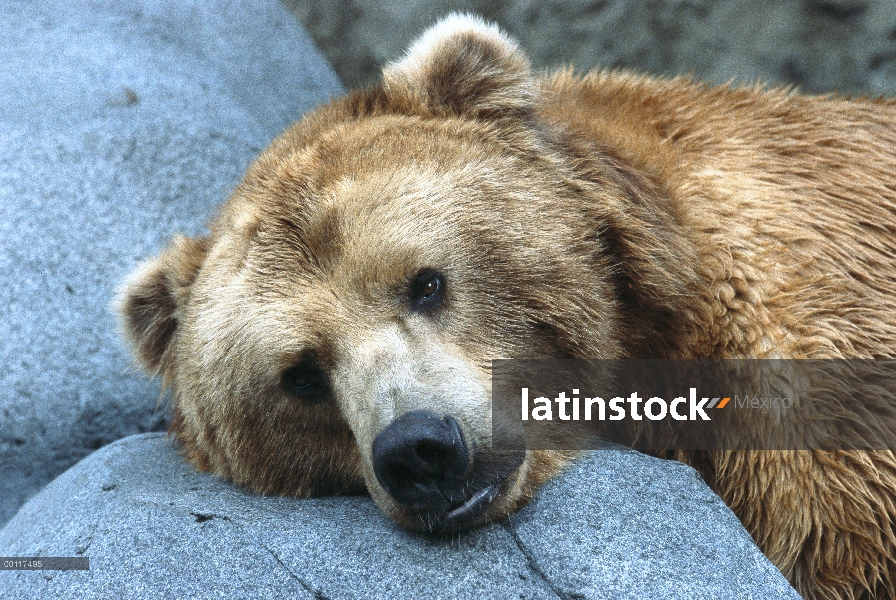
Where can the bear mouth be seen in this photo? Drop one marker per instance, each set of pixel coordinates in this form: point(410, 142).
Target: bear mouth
point(468, 512)
point(422, 460)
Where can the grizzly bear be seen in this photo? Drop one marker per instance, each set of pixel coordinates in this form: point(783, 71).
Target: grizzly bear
point(334, 330)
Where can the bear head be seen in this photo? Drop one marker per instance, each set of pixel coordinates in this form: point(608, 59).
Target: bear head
point(334, 331)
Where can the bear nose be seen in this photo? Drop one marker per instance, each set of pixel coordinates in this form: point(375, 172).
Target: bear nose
point(421, 459)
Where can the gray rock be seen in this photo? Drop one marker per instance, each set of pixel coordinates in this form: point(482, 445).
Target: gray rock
point(122, 122)
point(847, 46)
point(624, 525)
point(616, 525)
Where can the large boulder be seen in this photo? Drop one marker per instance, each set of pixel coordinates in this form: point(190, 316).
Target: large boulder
point(616, 525)
point(121, 123)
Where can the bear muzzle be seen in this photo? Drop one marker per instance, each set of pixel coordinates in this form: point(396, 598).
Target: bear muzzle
point(425, 465)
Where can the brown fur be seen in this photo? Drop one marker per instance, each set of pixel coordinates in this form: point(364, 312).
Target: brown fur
point(609, 215)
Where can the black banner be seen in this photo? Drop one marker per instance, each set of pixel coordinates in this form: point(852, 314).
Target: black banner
point(664, 405)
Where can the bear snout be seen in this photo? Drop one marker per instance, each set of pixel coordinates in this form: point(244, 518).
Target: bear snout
point(421, 460)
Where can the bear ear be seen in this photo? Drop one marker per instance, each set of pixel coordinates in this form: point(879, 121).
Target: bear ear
point(465, 66)
point(151, 299)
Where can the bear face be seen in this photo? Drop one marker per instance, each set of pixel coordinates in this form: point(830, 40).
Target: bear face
point(334, 332)
point(343, 298)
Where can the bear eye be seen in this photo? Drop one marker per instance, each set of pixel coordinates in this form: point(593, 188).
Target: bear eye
point(428, 290)
point(307, 381)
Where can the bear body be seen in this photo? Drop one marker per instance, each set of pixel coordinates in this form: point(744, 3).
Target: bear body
point(333, 333)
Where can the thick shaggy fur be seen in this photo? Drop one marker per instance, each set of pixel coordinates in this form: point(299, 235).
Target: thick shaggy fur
point(608, 215)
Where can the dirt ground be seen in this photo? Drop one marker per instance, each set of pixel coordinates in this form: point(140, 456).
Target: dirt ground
point(847, 46)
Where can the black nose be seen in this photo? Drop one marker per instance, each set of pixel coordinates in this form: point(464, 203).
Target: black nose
point(421, 460)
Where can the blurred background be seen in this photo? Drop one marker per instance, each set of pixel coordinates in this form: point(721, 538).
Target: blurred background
point(847, 46)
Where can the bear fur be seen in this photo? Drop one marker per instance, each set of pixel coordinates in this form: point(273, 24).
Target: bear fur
point(607, 215)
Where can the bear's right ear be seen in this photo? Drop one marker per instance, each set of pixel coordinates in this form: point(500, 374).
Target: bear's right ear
point(464, 66)
point(151, 299)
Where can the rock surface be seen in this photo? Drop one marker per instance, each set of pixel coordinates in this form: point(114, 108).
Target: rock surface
point(122, 122)
point(847, 46)
point(616, 525)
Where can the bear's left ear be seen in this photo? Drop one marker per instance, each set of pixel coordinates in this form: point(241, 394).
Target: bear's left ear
point(151, 300)
point(464, 66)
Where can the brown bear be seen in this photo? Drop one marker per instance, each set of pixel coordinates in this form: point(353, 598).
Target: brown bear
point(334, 330)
